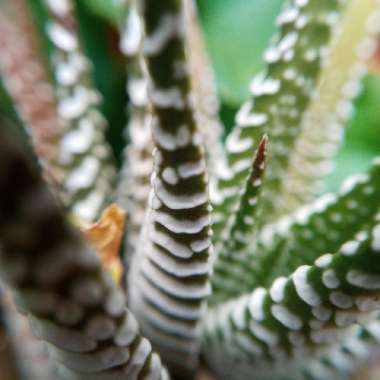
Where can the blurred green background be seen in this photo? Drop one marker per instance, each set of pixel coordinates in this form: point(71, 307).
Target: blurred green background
point(236, 32)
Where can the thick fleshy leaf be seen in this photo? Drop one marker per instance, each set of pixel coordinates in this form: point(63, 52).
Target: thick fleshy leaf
point(242, 224)
point(73, 305)
point(134, 177)
point(301, 237)
point(331, 106)
point(310, 308)
point(281, 95)
point(83, 150)
point(169, 279)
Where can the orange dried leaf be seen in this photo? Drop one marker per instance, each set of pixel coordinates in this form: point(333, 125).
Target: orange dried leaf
point(105, 237)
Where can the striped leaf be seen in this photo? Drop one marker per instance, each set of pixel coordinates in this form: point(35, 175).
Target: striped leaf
point(241, 226)
point(169, 279)
point(281, 95)
point(72, 304)
point(301, 237)
point(83, 151)
point(310, 308)
point(134, 177)
point(331, 106)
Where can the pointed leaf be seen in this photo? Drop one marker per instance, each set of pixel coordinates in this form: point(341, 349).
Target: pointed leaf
point(301, 237)
point(83, 151)
point(281, 95)
point(171, 268)
point(308, 309)
point(323, 123)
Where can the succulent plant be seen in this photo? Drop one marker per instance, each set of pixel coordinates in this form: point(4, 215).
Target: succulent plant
point(233, 260)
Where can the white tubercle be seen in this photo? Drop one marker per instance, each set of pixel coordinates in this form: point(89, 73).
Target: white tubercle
point(350, 248)
point(84, 175)
point(263, 333)
point(324, 261)
point(303, 288)
point(191, 169)
point(341, 300)
point(182, 226)
point(172, 286)
point(138, 91)
point(62, 38)
point(168, 98)
point(132, 34)
point(171, 245)
point(235, 144)
point(178, 202)
point(59, 7)
point(375, 245)
point(176, 267)
point(278, 289)
point(169, 27)
point(245, 118)
point(169, 141)
point(256, 305)
point(78, 141)
point(88, 208)
point(169, 175)
point(73, 107)
point(286, 317)
point(363, 280)
point(330, 279)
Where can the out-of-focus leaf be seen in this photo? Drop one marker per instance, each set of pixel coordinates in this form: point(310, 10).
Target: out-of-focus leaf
point(237, 32)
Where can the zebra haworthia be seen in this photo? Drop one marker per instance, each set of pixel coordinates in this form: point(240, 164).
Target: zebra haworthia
point(169, 280)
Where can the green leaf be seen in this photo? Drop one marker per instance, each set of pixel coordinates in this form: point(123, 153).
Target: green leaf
point(280, 96)
point(301, 237)
point(323, 124)
point(296, 314)
point(241, 225)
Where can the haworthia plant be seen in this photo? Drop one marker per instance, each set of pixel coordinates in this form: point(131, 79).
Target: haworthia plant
point(83, 151)
point(263, 278)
